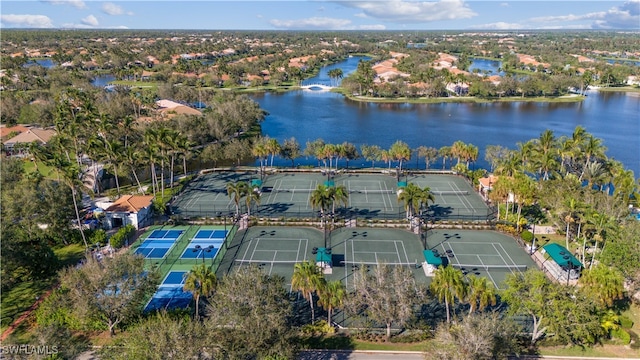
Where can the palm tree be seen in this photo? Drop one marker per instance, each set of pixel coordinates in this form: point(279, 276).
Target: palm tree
point(447, 285)
point(571, 209)
point(481, 293)
point(71, 176)
point(445, 153)
point(603, 224)
point(273, 147)
point(321, 198)
point(458, 150)
point(307, 279)
point(428, 153)
point(414, 198)
point(200, 281)
point(593, 148)
point(401, 152)
point(236, 191)
point(340, 195)
point(253, 196)
point(331, 295)
point(131, 158)
point(260, 151)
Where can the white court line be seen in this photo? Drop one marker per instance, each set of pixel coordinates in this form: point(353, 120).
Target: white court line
point(346, 272)
point(389, 197)
point(376, 252)
point(255, 248)
point(244, 257)
point(450, 248)
point(509, 256)
point(488, 273)
point(405, 251)
point(502, 257)
point(275, 255)
point(458, 196)
point(306, 247)
point(384, 201)
point(298, 252)
point(466, 198)
point(397, 251)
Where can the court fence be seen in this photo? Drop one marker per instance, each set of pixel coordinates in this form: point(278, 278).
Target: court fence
point(483, 214)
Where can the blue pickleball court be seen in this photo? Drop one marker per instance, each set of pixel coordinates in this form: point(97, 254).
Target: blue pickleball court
point(158, 243)
point(170, 294)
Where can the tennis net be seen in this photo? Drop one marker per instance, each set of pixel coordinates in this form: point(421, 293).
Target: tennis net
point(474, 268)
point(269, 262)
point(367, 191)
point(372, 263)
point(450, 192)
point(351, 191)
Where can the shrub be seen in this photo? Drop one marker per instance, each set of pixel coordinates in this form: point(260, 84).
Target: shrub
point(318, 328)
point(625, 322)
point(622, 335)
point(527, 236)
point(411, 337)
point(122, 236)
point(98, 237)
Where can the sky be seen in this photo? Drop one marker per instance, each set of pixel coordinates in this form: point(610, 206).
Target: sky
point(321, 14)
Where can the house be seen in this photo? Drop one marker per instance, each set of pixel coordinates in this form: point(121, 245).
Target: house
point(130, 210)
point(39, 135)
point(5, 132)
point(485, 185)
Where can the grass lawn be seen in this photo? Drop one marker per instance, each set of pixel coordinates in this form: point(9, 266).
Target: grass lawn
point(620, 88)
point(18, 299)
point(365, 345)
point(46, 171)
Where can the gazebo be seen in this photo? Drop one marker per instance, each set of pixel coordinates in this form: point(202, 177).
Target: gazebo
point(569, 266)
point(432, 261)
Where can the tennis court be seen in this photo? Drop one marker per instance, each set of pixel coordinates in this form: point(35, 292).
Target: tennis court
point(371, 195)
point(158, 243)
point(206, 195)
point(275, 250)
point(170, 294)
point(454, 197)
point(481, 253)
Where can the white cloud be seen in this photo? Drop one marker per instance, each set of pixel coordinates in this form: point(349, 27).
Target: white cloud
point(401, 11)
point(110, 8)
point(504, 4)
point(314, 23)
point(90, 21)
point(499, 26)
point(626, 16)
point(26, 20)
point(75, 3)
point(372, 27)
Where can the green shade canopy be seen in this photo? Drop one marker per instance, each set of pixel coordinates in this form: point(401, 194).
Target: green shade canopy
point(562, 256)
point(323, 257)
point(402, 184)
point(431, 259)
point(329, 183)
point(256, 183)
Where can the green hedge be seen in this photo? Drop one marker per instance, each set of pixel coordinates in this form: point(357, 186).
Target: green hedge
point(625, 322)
point(122, 236)
point(621, 335)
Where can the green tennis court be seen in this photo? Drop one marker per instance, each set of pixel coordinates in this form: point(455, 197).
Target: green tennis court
point(206, 195)
point(371, 195)
point(277, 249)
point(481, 253)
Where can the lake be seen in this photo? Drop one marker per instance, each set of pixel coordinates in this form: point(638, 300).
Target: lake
point(308, 115)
